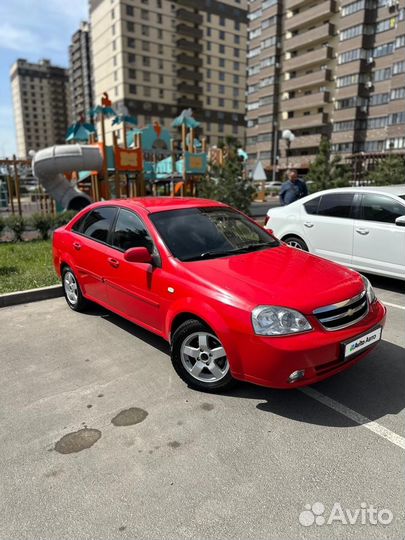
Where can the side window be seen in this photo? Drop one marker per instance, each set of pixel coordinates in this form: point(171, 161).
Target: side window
point(129, 232)
point(381, 208)
point(77, 227)
point(336, 205)
point(311, 207)
point(98, 222)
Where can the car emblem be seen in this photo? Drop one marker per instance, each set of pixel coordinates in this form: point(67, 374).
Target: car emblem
point(350, 312)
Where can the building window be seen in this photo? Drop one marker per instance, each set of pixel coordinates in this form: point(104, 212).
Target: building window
point(387, 24)
point(131, 43)
point(221, 89)
point(379, 99)
point(131, 58)
point(222, 62)
point(222, 49)
point(161, 93)
point(382, 74)
point(400, 42)
point(396, 118)
point(145, 45)
point(221, 102)
point(146, 76)
point(222, 21)
point(237, 25)
point(132, 89)
point(236, 79)
point(131, 73)
point(146, 91)
point(397, 93)
point(221, 76)
point(129, 10)
point(236, 52)
point(130, 26)
point(351, 56)
point(221, 34)
point(145, 30)
point(383, 50)
point(145, 61)
point(236, 92)
point(398, 67)
point(236, 39)
point(236, 66)
point(144, 15)
point(377, 123)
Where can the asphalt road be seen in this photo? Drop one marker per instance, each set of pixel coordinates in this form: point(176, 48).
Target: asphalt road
point(259, 209)
point(167, 462)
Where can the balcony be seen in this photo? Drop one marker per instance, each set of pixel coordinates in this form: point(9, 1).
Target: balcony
point(312, 79)
point(317, 13)
point(189, 75)
point(185, 30)
point(186, 102)
point(189, 60)
point(310, 37)
point(189, 88)
point(189, 16)
point(306, 141)
point(294, 4)
point(308, 59)
point(189, 45)
point(305, 102)
point(304, 122)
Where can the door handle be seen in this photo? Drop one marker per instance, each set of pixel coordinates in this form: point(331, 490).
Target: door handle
point(113, 262)
point(77, 245)
point(362, 231)
point(308, 224)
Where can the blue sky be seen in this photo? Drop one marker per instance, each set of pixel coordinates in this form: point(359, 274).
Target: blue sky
point(32, 29)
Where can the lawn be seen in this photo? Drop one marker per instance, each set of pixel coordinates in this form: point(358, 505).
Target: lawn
point(26, 265)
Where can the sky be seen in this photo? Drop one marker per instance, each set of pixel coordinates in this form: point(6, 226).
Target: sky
point(32, 29)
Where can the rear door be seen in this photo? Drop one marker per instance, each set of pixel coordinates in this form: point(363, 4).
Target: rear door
point(328, 226)
point(135, 290)
point(89, 246)
point(379, 244)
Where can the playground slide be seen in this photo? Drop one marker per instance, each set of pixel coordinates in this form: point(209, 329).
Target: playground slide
point(50, 164)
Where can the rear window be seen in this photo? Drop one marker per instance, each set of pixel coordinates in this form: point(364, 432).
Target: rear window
point(336, 205)
point(311, 207)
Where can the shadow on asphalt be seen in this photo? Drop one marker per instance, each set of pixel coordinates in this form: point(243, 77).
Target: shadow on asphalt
point(373, 387)
point(388, 284)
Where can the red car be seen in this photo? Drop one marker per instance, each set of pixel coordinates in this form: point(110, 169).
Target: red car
point(233, 301)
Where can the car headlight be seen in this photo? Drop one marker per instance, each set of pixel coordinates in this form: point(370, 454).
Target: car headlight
point(278, 321)
point(369, 288)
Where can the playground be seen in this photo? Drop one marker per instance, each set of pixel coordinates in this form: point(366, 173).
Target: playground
point(142, 160)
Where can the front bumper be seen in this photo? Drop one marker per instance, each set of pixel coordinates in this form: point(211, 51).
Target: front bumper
point(269, 361)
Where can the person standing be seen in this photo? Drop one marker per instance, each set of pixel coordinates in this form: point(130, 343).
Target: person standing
point(292, 189)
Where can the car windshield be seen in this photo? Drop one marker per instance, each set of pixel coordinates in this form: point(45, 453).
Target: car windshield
point(207, 233)
point(402, 197)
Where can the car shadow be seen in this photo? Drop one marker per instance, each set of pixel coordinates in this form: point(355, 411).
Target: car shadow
point(386, 283)
point(373, 387)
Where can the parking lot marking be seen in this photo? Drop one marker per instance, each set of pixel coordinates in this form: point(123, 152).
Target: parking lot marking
point(356, 417)
point(393, 305)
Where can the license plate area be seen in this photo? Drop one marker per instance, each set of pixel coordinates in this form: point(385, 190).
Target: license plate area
point(361, 343)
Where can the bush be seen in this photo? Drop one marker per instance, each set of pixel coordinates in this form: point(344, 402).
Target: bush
point(42, 223)
point(17, 225)
point(63, 218)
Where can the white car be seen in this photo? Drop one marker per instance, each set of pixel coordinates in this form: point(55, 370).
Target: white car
point(360, 227)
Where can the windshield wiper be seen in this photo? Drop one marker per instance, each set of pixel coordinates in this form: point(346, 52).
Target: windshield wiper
point(225, 252)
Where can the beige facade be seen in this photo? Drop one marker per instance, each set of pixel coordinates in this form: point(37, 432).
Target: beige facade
point(41, 104)
point(337, 69)
point(155, 58)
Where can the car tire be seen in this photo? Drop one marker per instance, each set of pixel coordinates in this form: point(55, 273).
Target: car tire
point(72, 291)
point(297, 242)
point(199, 358)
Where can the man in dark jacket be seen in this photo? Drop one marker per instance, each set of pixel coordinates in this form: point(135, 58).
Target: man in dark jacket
point(292, 189)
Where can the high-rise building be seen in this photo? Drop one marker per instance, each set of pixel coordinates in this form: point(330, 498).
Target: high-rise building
point(41, 104)
point(80, 73)
point(158, 57)
point(336, 69)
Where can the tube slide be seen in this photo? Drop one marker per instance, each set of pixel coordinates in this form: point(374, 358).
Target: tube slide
point(49, 164)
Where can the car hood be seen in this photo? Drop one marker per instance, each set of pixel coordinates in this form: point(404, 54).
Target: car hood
point(281, 276)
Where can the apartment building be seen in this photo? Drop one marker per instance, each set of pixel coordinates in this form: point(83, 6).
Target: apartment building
point(339, 71)
point(157, 57)
point(40, 95)
point(80, 73)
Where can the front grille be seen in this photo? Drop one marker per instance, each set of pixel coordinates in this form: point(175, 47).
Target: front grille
point(343, 314)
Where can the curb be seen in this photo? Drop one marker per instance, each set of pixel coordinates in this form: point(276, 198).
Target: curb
point(31, 295)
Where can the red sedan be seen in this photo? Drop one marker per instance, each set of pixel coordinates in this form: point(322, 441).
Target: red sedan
point(232, 300)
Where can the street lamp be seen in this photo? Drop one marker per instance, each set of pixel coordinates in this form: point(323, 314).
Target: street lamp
point(288, 136)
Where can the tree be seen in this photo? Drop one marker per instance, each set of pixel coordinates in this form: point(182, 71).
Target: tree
point(390, 170)
point(327, 171)
point(227, 183)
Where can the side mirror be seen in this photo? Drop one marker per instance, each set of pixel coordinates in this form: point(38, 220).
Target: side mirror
point(400, 221)
point(138, 255)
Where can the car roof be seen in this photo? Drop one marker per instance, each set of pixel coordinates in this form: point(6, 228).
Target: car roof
point(160, 204)
point(398, 189)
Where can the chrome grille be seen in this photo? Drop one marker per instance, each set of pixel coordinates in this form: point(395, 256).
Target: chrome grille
point(343, 314)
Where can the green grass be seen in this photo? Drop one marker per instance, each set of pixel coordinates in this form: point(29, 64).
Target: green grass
point(26, 265)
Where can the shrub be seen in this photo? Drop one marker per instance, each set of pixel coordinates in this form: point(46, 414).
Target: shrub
point(63, 218)
point(42, 223)
point(17, 225)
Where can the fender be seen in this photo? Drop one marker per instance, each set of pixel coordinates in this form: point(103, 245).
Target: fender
point(212, 316)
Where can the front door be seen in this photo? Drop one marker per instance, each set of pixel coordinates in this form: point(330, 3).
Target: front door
point(379, 244)
point(135, 290)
